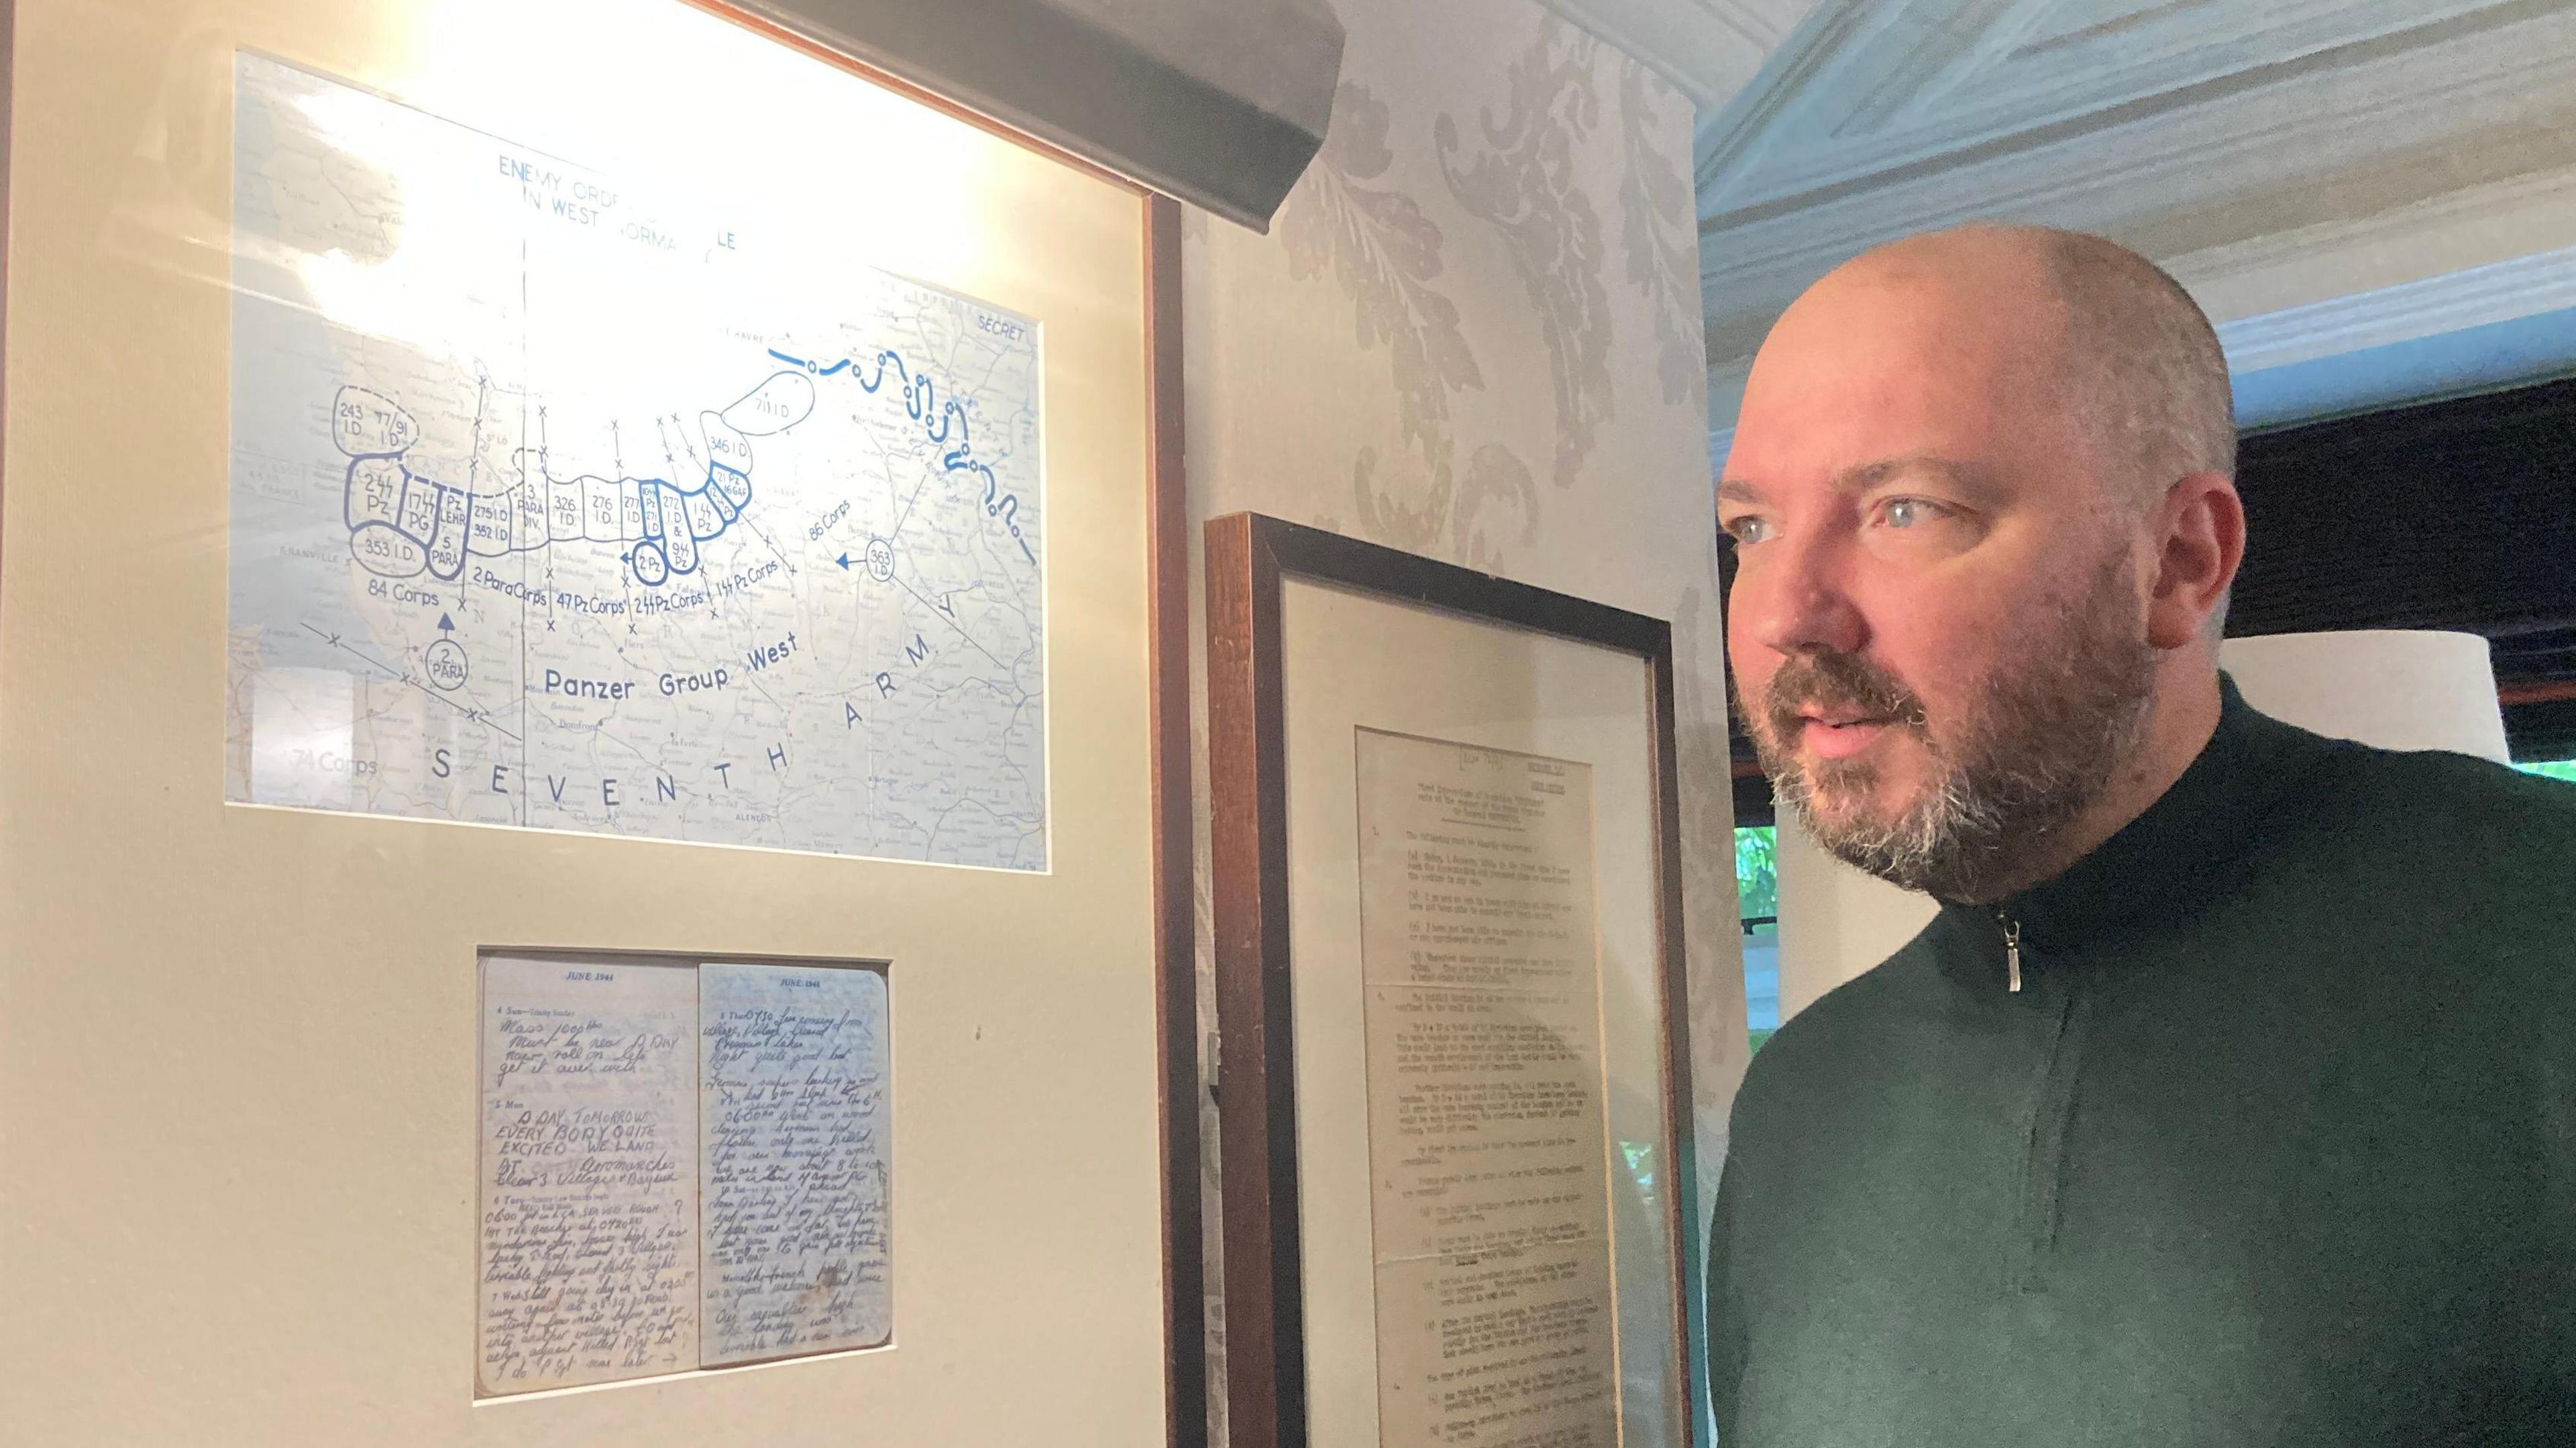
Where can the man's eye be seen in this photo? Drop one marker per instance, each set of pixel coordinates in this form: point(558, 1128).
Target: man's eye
point(1906, 512)
point(1748, 529)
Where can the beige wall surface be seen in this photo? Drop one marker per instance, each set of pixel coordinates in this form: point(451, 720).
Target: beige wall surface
point(238, 1114)
point(1473, 333)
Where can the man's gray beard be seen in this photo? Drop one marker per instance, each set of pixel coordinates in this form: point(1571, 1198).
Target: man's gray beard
point(2040, 747)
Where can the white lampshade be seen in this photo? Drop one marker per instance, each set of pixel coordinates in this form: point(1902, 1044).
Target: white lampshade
point(2397, 689)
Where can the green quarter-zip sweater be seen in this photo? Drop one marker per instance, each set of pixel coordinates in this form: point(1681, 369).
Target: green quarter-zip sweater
point(2276, 1143)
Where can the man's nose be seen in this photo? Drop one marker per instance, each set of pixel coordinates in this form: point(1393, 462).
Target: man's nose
point(1791, 598)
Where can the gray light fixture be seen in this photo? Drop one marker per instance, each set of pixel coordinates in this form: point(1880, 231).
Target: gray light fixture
point(1218, 102)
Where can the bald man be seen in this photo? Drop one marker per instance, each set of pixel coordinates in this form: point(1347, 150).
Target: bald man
point(2231, 1097)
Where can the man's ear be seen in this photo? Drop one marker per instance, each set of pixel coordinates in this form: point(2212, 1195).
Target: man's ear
point(2200, 538)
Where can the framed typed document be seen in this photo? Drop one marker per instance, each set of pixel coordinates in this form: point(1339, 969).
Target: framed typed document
point(1448, 969)
point(553, 557)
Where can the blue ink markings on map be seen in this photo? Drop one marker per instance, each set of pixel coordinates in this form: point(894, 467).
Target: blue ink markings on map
point(919, 394)
point(401, 523)
point(472, 715)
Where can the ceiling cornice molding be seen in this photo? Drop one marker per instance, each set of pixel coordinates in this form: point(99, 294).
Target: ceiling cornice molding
point(1930, 54)
point(1816, 42)
point(1765, 26)
point(2041, 80)
point(2501, 291)
point(2464, 230)
point(2099, 180)
point(1707, 49)
point(1815, 176)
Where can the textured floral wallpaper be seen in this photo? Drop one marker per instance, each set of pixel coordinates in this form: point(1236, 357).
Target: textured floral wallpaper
point(1474, 333)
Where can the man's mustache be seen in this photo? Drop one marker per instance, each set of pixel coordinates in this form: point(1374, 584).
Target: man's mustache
point(1830, 683)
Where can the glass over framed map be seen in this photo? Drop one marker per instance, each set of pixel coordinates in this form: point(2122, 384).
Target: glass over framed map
point(585, 501)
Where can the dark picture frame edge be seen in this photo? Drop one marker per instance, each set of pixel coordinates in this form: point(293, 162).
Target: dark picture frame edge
point(1248, 557)
point(1176, 981)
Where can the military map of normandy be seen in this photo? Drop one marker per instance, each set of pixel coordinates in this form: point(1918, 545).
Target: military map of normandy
point(572, 501)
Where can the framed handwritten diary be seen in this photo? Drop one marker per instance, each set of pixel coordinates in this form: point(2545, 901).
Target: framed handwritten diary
point(684, 1165)
point(1448, 974)
point(552, 554)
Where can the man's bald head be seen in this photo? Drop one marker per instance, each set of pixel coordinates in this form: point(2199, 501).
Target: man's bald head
point(2146, 366)
point(2136, 361)
point(1984, 526)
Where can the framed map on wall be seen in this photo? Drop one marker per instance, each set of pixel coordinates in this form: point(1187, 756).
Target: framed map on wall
point(549, 552)
point(576, 500)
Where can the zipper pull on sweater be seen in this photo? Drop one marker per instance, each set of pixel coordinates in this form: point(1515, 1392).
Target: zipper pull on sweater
point(2012, 951)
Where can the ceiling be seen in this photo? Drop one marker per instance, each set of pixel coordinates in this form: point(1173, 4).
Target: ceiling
point(2289, 160)
point(1709, 49)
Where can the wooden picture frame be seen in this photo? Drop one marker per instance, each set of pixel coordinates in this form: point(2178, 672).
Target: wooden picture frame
point(1255, 567)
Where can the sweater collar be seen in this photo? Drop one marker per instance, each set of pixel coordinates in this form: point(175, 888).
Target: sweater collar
point(2195, 835)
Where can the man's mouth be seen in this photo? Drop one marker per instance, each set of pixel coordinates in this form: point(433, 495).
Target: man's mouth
point(1840, 733)
point(1832, 707)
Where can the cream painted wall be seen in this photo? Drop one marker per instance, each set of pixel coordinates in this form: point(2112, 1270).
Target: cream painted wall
point(1474, 333)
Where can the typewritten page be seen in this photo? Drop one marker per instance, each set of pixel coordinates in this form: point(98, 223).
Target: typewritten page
point(1487, 1143)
